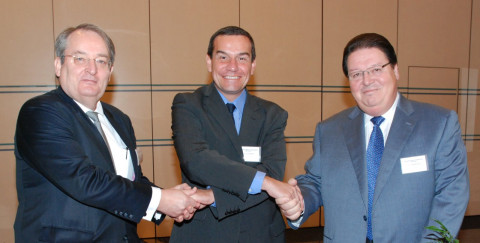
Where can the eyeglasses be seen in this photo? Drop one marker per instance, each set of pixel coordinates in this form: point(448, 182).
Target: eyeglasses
point(100, 62)
point(374, 71)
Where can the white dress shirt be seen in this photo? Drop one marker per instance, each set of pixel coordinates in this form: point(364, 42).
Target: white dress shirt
point(122, 160)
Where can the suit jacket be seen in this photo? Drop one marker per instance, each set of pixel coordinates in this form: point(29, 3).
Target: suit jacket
point(67, 187)
point(210, 154)
point(403, 204)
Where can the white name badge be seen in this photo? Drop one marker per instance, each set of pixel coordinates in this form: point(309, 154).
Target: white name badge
point(252, 153)
point(414, 164)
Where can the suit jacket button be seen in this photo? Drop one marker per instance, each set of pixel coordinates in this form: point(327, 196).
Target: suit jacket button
point(364, 218)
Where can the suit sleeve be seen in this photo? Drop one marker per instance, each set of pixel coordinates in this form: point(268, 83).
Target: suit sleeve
point(228, 178)
point(451, 179)
point(48, 140)
point(310, 182)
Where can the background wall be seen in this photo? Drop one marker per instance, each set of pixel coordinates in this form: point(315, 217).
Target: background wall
point(161, 46)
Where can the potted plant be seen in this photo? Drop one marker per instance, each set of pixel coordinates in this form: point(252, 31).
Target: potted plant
point(441, 235)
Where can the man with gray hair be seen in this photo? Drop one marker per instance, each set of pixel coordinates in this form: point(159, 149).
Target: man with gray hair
point(78, 173)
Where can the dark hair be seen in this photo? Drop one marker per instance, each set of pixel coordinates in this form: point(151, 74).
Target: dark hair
point(368, 40)
point(61, 41)
point(231, 30)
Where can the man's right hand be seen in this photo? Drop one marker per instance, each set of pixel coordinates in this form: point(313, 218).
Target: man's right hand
point(177, 203)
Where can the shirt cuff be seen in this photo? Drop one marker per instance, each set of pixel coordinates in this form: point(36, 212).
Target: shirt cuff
point(256, 186)
point(296, 223)
point(152, 207)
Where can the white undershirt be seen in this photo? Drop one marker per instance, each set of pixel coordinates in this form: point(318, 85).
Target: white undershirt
point(122, 159)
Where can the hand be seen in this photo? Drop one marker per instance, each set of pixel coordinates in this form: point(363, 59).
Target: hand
point(177, 203)
point(204, 197)
point(287, 196)
point(292, 209)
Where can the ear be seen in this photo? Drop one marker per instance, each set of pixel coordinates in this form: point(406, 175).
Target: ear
point(209, 63)
point(58, 66)
point(110, 74)
point(395, 71)
point(254, 64)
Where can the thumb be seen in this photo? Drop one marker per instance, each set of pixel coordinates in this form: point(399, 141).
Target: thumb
point(292, 182)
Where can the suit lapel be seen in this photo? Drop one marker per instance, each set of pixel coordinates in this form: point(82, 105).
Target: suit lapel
point(216, 110)
point(119, 127)
point(354, 134)
point(250, 118)
point(401, 129)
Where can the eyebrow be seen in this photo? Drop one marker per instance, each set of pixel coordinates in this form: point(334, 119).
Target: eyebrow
point(240, 54)
point(84, 53)
point(374, 65)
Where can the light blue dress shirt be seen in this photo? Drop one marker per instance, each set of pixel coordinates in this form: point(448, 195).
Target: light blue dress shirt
point(256, 186)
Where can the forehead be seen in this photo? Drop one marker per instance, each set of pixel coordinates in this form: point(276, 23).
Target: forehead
point(232, 44)
point(366, 57)
point(86, 41)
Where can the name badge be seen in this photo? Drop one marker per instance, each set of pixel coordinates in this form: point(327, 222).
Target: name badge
point(414, 164)
point(252, 153)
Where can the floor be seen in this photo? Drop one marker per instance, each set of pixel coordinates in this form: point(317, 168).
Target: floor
point(470, 233)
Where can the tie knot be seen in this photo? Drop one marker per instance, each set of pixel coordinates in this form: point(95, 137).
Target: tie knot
point(377, 120)
point(231, 107)
point(93, 115)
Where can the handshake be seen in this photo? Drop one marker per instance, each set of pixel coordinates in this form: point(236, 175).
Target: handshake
point(180, 202)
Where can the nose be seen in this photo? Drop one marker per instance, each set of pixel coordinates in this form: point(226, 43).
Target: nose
point(366, 78)
point(233, 65)
point(91, 66)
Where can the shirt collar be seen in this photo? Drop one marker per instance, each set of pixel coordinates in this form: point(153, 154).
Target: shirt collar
point(99, 108)
point(239, 102)
point(389, 114)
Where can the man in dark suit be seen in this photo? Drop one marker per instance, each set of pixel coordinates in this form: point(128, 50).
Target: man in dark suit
point(77, 182)
point(231, 144)
point(389, 167)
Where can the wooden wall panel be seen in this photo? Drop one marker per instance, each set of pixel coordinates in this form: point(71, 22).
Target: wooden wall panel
point(303, 113)
point(9, 122)
point(343, 20)
point(26, 43)
point(427, 37)
point(126, 22)
point(472, 114)
point(288, 40)
point(9, 202)
point(137, 105)
point(167, 174)
point(180, 31)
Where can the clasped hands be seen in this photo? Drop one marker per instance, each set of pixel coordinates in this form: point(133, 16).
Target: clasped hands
point(181, 201)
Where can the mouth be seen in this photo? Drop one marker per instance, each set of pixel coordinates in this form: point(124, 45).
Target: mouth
point(87, 80)
point(231, 77)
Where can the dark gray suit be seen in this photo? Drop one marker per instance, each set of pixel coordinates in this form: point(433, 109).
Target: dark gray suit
point(403, 204)
point(210, 154)
point(67, 187)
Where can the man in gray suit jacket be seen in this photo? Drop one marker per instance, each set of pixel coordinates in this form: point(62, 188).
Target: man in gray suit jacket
point(237, 153)
point(421, 173)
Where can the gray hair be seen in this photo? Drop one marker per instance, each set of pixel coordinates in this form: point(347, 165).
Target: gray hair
point(61, 41)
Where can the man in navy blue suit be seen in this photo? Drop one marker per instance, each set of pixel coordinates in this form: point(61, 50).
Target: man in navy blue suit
point(78, 173)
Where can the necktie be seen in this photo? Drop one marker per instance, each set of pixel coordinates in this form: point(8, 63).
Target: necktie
point(94, 116)
point(231, 107)
point(374, 156)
